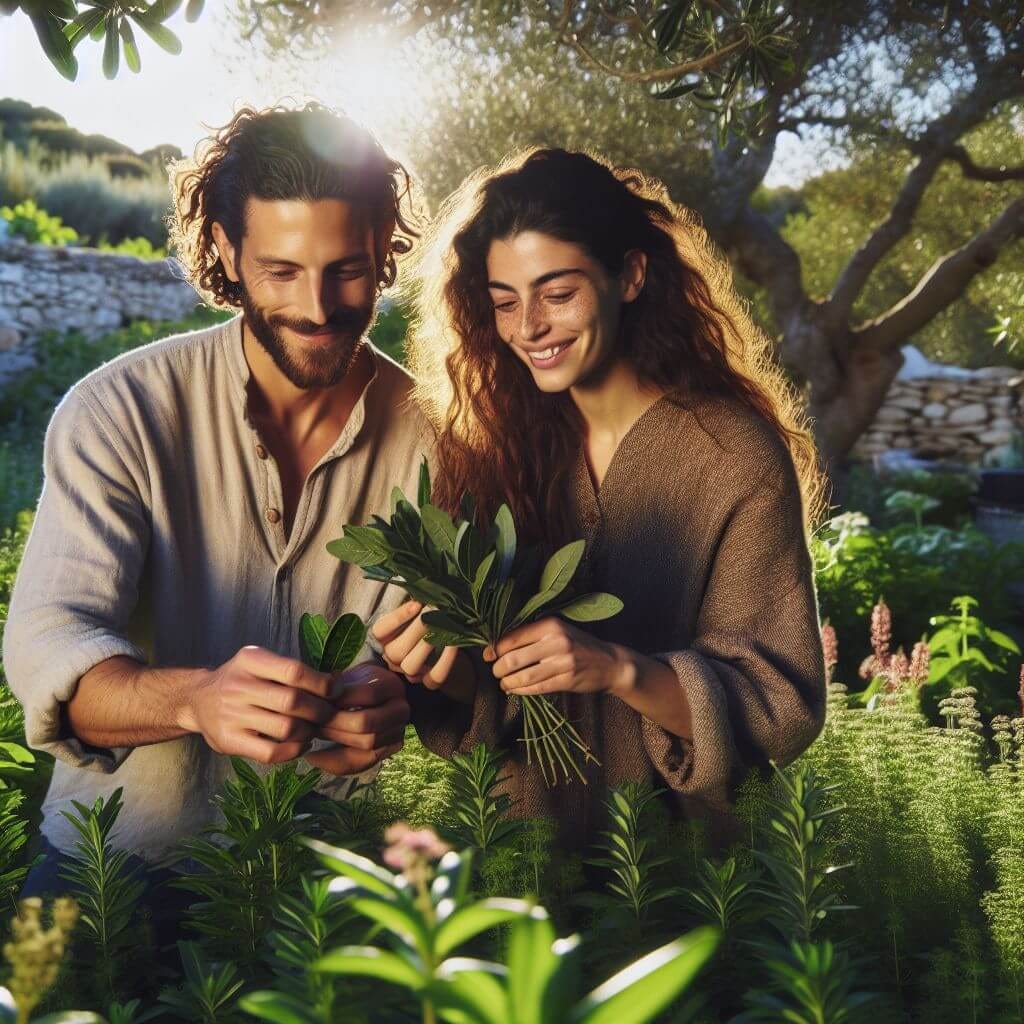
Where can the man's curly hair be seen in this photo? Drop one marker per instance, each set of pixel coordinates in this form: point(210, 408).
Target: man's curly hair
point(310, 154)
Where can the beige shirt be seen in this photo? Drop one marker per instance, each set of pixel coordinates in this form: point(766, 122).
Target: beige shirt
point(159, 536)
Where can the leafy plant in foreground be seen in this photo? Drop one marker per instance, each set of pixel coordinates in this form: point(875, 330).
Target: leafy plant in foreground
point(101, 882)
point(34, 954)
point(207, 992)
point(426, 914)
point(810, 983)
point(477, 581)
point(248, 860)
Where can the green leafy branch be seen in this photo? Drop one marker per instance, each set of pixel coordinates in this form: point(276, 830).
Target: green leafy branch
point(480, 584)
point(62, 25)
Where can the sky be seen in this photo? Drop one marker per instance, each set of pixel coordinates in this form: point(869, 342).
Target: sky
point(172, 98)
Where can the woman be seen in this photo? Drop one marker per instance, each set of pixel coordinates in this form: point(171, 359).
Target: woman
point(587, 360)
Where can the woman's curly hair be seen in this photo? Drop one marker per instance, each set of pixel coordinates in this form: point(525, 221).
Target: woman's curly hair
point(688, 332)
point(278, 153)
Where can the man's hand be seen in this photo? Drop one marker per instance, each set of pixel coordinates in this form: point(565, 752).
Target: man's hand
point(369, 720)
point(260, 705)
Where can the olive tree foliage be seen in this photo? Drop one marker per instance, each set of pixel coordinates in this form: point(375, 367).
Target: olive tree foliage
point(922, 95)
point(63, 25)
point(911, 89)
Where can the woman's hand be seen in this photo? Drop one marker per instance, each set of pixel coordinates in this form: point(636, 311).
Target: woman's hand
point(400, 634)
point(553, 656)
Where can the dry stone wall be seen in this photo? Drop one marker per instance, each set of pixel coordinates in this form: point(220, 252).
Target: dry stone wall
point(52, 288)
point(959, 415)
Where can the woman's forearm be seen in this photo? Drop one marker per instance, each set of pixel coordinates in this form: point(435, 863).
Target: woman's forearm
point(650, 687)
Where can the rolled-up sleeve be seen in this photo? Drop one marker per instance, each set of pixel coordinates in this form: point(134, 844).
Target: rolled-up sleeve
point(754, 675)
point(79, 577)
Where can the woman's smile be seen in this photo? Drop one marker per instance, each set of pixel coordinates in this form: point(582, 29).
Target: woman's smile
point(550, 357)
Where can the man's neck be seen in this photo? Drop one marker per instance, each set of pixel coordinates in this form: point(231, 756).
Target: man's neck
point(295, 413)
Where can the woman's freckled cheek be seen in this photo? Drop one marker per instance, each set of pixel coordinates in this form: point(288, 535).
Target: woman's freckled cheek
point(575, 311)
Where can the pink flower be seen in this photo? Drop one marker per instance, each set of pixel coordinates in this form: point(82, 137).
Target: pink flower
point(920, 663)
point(407, 845)
point(896, 671)
point(830, 645)
point(881, 633)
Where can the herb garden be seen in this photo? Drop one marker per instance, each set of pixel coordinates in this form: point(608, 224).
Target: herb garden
point(881, 875)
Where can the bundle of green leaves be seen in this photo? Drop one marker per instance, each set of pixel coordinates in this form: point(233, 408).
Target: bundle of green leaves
point(480, 584)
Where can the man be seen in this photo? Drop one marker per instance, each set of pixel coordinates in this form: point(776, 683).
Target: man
point(191, 487)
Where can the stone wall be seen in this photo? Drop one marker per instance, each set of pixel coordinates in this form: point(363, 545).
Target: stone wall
point(956, 415)
point(51, 288)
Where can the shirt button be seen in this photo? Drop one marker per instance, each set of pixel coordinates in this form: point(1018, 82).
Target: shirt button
point(273, 515)
point(261, 452)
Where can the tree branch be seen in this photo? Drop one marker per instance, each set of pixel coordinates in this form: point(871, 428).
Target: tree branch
point(668, 74)
point(943, 283)
point(971, 170)
point(934, 147)
point(763, 255)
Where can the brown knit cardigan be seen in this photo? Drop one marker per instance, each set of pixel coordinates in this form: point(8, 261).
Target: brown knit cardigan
point(698, 527)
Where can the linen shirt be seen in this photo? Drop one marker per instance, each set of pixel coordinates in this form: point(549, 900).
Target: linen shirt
point(160, 535)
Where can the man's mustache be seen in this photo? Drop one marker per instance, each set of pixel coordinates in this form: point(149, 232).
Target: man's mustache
point(339, 320)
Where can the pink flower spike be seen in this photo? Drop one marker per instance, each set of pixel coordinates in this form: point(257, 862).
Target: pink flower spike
point(830, 647)
point(881, 633)
point(920, 663)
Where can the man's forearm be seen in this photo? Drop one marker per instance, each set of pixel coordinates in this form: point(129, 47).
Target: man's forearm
point(122, 703)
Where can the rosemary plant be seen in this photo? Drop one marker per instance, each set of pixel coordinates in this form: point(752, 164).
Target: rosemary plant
point(106, 891)
point(480, 813)
point(246, 862)
point(626, 853)
point(480, 584)
point(208, 992)
point(797, 857)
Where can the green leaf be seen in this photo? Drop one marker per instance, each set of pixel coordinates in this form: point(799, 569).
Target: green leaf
point(83, 25)
point(592, 607)
point(360, 870)
point(531, 965)
point(476, 996)
point(675, 91)
point(561, 568)
point(397, 917)
point(370, 962)
point(313, 631)
point(439, 527)
point(506, 527)
point(50, 31)
point(343, 644)
point(194, 10)
point(533, 606)
point(423, 490)
point(482, 573)
point(160, 34)
point(362, 545)
point(470, 921)
point(1002, 640)
point(278, 1008)
point(642, 990)
point(131, 49)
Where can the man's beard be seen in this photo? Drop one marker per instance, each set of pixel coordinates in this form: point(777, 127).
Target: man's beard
point(320, 367)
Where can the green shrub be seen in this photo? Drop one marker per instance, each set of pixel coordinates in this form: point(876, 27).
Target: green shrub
point(28, 221)
point(98, 207)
